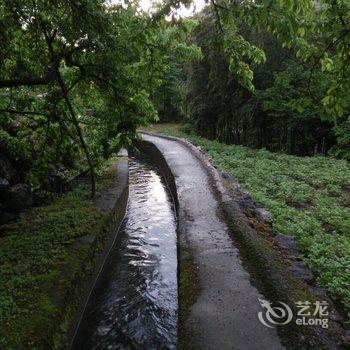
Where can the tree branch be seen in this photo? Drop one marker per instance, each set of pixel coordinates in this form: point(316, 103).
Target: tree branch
point(217, 15)
point(321, 55)
point(80, 134)
point(64, 90)
point(47, 78)
point(23, 112)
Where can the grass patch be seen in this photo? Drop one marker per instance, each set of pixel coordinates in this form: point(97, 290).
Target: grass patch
point(44, 259)
point(164, 128)
point(307, 196)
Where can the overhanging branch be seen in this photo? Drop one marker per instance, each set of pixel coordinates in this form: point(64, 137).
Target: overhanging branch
point(47, 78)
point(12, 111)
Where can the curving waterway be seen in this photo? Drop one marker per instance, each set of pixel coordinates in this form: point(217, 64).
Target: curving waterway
point(134, 305)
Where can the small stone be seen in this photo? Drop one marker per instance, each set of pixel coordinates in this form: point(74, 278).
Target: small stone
point(287, 242)
point(257, 205)
point(225, 175)
point(300, 269)
point(320, 292)
point(264, 215)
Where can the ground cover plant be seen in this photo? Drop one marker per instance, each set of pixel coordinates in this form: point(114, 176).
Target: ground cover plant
point(44, 259)
point(309, 198)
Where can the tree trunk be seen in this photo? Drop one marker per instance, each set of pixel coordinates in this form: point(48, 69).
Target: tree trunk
point(79, 132)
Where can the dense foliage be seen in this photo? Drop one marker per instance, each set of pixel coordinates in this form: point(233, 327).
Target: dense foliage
point(75, 81)
point(271, 76)
point(78, 78)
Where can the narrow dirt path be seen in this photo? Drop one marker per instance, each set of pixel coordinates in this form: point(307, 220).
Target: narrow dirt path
point(224, 316)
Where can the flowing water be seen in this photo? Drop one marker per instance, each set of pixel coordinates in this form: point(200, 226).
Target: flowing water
point(134, 305)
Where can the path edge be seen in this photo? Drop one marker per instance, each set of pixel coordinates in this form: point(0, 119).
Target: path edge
point(268, 267)
point(112, 203)
point(187, 272)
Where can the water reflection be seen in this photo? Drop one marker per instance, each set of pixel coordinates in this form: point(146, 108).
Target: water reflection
point(135, 303)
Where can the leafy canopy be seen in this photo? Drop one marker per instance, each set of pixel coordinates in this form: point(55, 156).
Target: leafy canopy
point(76, 79)
point(317, 32)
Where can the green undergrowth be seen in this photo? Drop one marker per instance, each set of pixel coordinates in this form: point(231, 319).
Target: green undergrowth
point(309, 198)
point(44, 258)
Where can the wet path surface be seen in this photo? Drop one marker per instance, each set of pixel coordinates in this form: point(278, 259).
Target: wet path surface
point(225, 314)
point(134, 305)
